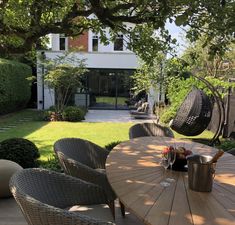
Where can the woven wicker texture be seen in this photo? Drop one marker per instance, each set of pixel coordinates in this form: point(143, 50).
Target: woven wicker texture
point(194, 114)
point(149, 129)
point(43, 196)
point(84, 159)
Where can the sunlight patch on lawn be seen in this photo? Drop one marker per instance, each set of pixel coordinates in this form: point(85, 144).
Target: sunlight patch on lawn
point(99, 133)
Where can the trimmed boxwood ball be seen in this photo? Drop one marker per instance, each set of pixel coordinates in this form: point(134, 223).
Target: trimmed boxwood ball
point(73, 114)
point(21, 151)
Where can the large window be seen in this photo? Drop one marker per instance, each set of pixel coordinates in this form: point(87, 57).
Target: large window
point(95, 43)
point(62, 42)
point(118, 43)
point(109, 88)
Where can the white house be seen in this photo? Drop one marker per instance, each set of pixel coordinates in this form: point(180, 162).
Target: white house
point(110, 67)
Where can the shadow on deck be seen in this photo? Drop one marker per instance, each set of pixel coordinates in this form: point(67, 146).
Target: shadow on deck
point(10, 214)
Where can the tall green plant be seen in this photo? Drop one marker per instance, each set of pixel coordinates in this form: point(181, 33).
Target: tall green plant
point(64, 76)
point(149, 74)
point(14, 86)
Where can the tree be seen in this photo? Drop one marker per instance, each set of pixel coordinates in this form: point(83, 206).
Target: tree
point(149, 75)
point(216, 66)
point(24, 22)
point(64, 78)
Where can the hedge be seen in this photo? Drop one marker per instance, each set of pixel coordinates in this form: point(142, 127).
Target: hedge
point(15, 89)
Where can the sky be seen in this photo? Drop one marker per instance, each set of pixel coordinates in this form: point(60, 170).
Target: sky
point(177, 33)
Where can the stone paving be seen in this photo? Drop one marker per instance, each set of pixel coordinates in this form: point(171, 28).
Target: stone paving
point(113, 116)
point(10, 214)
point(7, 127)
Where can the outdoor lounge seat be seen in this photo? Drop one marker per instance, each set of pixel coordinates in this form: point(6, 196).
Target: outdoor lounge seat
point(141, 110)
point(136, 105)
point(149, 129)
point(85, 160)
point(50, 198)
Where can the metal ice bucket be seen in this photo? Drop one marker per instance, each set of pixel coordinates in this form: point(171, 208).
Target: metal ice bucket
point(200, 173)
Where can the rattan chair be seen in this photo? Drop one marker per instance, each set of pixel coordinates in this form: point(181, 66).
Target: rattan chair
point(149, 129)
point(85, 160)
point(50, 198)
point(194, 114)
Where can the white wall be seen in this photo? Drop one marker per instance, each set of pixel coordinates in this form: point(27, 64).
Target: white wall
point(55, 42)
point(103, 60)
point(93, 60)
point(110, 46)
point(45, 96)
point(101, 47)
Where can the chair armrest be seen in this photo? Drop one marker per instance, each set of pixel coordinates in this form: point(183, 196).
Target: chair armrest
point(88, 174)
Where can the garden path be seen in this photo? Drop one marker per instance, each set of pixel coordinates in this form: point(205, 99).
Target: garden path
point(5, 127)
point(113, 116)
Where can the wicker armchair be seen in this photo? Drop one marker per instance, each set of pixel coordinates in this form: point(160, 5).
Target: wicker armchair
point(149, 129)
point(50, 198)
point(85, 160)
point(194, 114)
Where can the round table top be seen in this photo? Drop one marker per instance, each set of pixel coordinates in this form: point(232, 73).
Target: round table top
point(134, 172)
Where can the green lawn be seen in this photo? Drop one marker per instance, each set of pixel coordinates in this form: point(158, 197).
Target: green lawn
point(44, 134)
point(111, 100)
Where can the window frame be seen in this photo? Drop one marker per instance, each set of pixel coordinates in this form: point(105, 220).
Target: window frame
point(119, 46)
point(64, 38)
point(95, 38)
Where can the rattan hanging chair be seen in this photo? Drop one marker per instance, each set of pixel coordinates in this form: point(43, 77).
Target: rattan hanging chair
point(194, 114)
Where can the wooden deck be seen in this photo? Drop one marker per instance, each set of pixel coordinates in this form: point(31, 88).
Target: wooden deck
point(10, 214)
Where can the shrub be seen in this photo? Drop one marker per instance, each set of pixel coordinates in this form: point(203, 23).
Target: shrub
point(73, 114)
point(49, 115)
point(15, 89)
point(52, 163)
point(21, 151)
point(111, 145)
point(168, 114)
point(227, 145)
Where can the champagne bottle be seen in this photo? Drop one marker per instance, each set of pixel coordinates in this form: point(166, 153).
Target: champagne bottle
point(217, 156)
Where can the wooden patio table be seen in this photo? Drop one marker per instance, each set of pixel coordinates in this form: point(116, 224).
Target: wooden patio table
point(134, 172)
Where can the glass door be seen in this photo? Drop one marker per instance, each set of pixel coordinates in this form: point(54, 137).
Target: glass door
point(102, 89)
point(108, 89)
point(123, 89)
point(106, 97)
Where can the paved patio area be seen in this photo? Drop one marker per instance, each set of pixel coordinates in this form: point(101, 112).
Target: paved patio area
point(10, 214)
point(113, 116)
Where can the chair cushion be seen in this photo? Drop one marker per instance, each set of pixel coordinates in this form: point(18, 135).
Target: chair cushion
point(100, 212)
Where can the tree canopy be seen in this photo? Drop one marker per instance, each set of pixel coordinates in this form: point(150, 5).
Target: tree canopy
point(24, 22)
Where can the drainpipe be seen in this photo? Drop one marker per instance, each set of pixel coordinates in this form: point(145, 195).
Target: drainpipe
point(43, 71)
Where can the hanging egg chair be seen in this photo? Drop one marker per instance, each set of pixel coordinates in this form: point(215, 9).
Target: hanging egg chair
point(194, 114)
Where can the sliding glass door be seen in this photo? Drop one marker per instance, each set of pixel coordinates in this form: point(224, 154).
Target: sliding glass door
point(108, 89)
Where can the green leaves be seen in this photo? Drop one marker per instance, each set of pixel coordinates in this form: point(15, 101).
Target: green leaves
point(181, 20)
point(28, 20)
point(14, 86)
point(64, 76)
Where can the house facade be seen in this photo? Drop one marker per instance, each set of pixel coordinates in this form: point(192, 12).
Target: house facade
point(107, 84)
